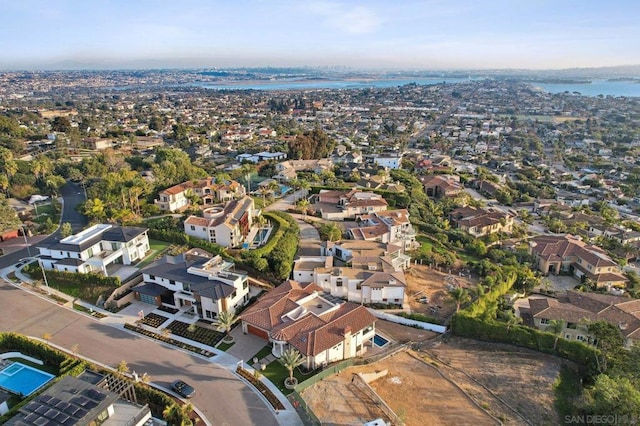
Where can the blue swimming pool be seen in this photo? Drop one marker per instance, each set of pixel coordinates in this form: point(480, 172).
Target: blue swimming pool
point(380, 341)
point(22, 379)
point(284, 189)
point(260, 236)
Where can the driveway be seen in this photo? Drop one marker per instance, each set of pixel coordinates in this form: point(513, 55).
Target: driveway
point(221, 396)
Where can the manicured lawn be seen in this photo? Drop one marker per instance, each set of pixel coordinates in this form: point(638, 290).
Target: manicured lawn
point(277, 372)
point(224, 346)
point(261, 354)
point(45, 211)
point(156, 248)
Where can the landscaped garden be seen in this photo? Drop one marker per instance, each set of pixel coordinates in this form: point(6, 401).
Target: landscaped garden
point(153, 320)
point(169, 340)
point(194, 332)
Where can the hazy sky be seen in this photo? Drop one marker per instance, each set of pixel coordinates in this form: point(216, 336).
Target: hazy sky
point(431, 34)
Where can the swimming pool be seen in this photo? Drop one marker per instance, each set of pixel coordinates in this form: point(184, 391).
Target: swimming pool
point(22, 379)
point(284, 189)
point(380, 341)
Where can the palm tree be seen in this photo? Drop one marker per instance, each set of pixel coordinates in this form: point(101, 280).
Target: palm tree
point(178, 415)
point(303, 205)
point(556, 327)
point(290, 359)
point(224, 322)
point(459, 296)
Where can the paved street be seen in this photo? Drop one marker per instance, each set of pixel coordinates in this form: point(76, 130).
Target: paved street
point(221, 397)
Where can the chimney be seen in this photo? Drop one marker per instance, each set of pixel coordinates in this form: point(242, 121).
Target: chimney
point(347, 331)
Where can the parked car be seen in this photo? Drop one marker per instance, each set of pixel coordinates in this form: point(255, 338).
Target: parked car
point(183, 389)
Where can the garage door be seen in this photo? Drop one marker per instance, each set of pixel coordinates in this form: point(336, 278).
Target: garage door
point(147, 299)
point(257, 332)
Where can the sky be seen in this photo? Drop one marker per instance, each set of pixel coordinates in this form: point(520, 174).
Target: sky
point(386, 34)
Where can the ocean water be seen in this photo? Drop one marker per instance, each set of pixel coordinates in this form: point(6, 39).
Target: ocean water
point(326, 84)
point(595, 88)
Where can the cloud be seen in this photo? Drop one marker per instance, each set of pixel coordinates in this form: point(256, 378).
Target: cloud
point(346, 18)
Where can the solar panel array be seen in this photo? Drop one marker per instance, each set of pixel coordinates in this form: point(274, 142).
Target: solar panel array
point(48, 410)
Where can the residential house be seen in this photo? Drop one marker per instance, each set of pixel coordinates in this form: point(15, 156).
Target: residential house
point(96, 248)
point(348, 251)
point(300, 316)
point(479, 222)
point(177, 197)
point(288, 170)
point(89, 399)
point(340, 205)
point(98, 144)
point(577, 310)
point(567, 253)
point(391, 226)
point(194, 282)
point(438, 186)
point(227, 225)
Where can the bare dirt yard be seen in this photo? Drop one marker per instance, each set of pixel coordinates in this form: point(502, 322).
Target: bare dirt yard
point(413, 389)
point(424, 281)
point(452, 382)
point(514, 384)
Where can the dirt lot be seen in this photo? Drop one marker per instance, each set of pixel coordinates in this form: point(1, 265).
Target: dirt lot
point(519, 379)
point(423, 281)
point(413, 389)
point(458, 381)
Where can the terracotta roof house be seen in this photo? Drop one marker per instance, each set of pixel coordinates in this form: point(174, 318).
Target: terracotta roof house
point(479, 222)
point(390, 226)
point(176, 198)
point(438, 186)
point(340, 205)
point(577, 310)
point(301, 316)
point(567, 253)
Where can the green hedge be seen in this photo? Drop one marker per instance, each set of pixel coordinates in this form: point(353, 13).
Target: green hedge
point(73, 278)
point(585, 356)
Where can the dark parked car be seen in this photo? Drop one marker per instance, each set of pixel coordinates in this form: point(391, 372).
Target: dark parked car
point(183, 389)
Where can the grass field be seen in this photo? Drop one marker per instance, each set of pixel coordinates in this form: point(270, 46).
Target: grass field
point(156, 247)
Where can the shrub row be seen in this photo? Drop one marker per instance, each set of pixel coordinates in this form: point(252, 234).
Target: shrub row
point(585, 356)
point(73, 278)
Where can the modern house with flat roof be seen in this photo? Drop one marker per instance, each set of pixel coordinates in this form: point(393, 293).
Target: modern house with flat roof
point(194, 282)
point(95, 249)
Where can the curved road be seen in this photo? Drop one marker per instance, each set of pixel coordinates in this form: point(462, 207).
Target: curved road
point(220, 396)
point(72, 195)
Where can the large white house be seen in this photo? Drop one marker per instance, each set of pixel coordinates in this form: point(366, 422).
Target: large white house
point(227, 225)
point(195, 282)
point(321, 328)
point(96, 248)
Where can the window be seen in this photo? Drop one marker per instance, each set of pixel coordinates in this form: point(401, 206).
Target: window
point(581, 338)
point(384, 299)
point(152, 277)
point(193, 228)
point(172, 282)
point(233, 295)
point(367, 330)
point(544, 321)
point(245, 285)
point(339, 282)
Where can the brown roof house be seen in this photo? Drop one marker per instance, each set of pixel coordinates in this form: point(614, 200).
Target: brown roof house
point(568, 253)
point(340, 205)
point(438, 186)
point(577, 310)
point(479, 222)
point(322, 328)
